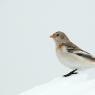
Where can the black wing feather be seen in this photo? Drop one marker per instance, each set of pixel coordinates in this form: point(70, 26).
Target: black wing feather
point(85, 56)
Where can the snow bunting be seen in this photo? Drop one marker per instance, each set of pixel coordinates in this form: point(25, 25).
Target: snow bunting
point(71, 55)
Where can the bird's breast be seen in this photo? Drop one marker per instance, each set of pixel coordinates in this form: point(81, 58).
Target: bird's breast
point(62, 54)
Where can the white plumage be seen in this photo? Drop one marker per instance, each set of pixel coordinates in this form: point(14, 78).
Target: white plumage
point(72, 60)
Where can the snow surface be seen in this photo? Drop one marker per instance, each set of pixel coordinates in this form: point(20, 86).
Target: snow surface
point(80, 84)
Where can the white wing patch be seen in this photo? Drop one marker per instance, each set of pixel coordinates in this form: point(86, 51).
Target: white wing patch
point(81, 52)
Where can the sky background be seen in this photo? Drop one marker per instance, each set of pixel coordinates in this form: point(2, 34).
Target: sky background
point(27, 54)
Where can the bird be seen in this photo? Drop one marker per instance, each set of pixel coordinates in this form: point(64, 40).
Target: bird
point(70, 55)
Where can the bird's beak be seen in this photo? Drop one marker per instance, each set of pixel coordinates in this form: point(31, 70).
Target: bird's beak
point(53, 36)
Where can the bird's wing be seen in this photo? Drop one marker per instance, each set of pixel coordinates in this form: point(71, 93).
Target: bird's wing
point(72, 48)
point(84, 54)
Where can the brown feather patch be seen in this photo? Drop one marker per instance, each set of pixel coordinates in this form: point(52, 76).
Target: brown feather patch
point(59, 46)
point(62, 36)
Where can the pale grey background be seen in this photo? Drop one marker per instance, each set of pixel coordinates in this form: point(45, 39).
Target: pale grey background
point(27, 54)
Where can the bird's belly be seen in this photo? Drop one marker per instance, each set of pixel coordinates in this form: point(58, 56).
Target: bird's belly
point(73, 61)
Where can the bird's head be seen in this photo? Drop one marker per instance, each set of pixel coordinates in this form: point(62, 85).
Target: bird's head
point(59, 37)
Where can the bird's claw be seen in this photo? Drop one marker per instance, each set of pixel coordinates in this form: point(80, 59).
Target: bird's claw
point(71, 73)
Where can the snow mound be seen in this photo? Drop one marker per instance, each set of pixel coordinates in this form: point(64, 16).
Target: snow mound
point(80, 84)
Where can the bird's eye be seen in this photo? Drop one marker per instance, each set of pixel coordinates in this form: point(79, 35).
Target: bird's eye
point(57, 34)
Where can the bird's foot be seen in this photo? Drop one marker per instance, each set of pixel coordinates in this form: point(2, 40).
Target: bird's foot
point(71, 73)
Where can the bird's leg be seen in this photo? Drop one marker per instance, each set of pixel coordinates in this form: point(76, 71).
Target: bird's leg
point(71, 73)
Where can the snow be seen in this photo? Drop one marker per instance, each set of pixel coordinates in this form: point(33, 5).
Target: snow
point(80, 84)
